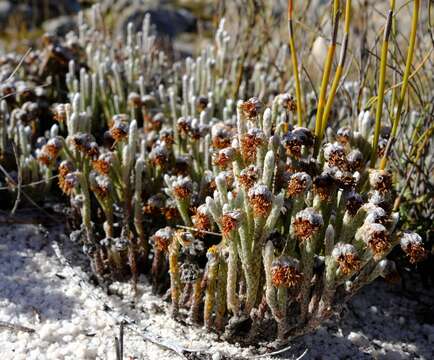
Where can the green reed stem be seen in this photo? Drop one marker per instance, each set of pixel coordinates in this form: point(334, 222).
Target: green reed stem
point(409, 61)
point(294, 60)
point(339, 70)
point(326, 76)
point(381, 83)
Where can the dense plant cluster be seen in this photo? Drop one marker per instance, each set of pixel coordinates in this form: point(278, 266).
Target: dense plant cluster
point(248, 216)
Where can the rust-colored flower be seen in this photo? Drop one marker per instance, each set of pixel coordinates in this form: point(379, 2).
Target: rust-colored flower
point(134, 99)
point(53, 146)
point(166, 137)
point(376, 237)
point(347, 258)
point(335, 156)
point(306, 223)
point(261, 200)
point(230, 221)
point(324, 185)
point(159, 155)
point(298, 184)
point(81, 141)
point(184, 125)
point(154, 205)
point(250, 142)
point(285, 272)
point(119, 131)
point(201, 219)
point(353, 202)
point(251, 107)
point(248, 176)
point(344, 135)
point(182, 187)
point(288, 102)
point(100, 184)
point(162, 238)
point(412, 244)
point(380, 180)
point(224, 157)
point(221, 136)
point(202, 103)
point(59, 113)
point(44, 157)
point(375, 214)
point(92, 150)
point(70, 182)
point(103, 163)
point(355, 160)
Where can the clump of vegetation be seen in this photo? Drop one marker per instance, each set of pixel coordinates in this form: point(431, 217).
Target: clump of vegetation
point(253, 213)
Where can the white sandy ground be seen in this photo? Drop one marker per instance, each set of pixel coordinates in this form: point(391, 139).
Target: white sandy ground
point(69, 320)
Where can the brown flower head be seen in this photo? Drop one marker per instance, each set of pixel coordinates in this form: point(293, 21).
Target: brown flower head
point(162, 238)
point(170, 210)
point(44, 157)
point(376, 237)
point(70, 182)
point(261, 200)
point(248, 176)
point(380, 180)
point(335, 156)
point(298, 184)
point(375, 214)
point(103, 163)
point(221, 136)
point(166, 136)
point(92, 150)
point(134, 100)
point(201, 219)
point(345, 179)
point(355, 160)
point(202, 103)
point(185, 238)
point(230, 221)
point(381, 147)
point(198, 130)
point(154, 205)
point(182, 165)
point(323, 186)
point(412, 244)
point(347, 258)
point(250, 142)
point(295, 139)
point(184, 125)
point(59, 113)
point(344, 135)
point(388, 271)
point(353, 202)
point(64, 169)
point(306, 223)
point(53, 146)
point(182, 187)
point(119, 130)
point(288, 102)
point(159, 155)
point(224, 157)
point(251, 107)
point(81, 141)
point(100, 184)
point(285, 272)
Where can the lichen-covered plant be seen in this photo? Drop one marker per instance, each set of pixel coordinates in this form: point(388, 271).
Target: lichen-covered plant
point(250, 221)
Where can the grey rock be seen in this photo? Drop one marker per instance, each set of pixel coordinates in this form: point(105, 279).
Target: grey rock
point(167, 22)
point(60, 26)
